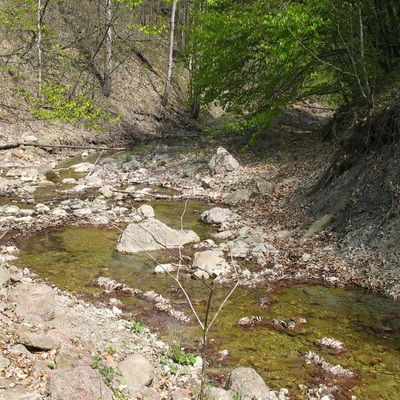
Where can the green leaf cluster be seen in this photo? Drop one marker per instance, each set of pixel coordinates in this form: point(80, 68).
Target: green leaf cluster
point(57, 103)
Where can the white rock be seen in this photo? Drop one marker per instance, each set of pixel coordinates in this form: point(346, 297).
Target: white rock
point(146, 211)
point(42, 208)
point(164, 268)
point(59, 212)
point(82, 167)
point(69, 181)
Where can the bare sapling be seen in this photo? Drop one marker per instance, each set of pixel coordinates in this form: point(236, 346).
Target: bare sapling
point(209, 319)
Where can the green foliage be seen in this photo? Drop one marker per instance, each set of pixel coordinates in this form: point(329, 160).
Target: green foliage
point(184, 358)
point(131, 3)
point(58, 104)
point(125, 159)
point(176, 359)
point(20, 15)
point(108, 373)
point(256, 57)
point(179, 356)
point(110, 350)
point(136, 327)
point(148, 30)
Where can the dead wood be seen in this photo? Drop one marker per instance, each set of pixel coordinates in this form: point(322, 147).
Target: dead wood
point(7, 146)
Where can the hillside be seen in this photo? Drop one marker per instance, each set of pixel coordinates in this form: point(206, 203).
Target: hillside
point(360, 189)
point(72, 59)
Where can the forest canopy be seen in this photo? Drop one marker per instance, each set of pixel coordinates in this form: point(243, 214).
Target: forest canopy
point(255, 57)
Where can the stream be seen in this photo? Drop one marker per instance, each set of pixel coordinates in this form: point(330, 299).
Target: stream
point(368, 325)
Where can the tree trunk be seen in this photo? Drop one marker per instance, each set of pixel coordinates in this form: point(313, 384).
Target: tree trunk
point(39, 46)
point(108, 48)
point(41, 9)
point(164, 100)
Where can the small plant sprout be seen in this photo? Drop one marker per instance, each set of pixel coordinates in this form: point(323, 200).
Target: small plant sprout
point(136, 327)
point(110, 350)
point(108, 373)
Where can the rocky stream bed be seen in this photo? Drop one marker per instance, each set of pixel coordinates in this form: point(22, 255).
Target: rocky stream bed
point(55, 345)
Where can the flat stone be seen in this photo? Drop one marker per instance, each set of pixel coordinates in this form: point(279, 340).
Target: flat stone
point(82, 167)
point(82, 382)
point(209, 263)
point(217, 215)
point(34, 301)
point(318, 226)
point(237, 196)
point(39, 340)
point(5, 277)
point(152, 234)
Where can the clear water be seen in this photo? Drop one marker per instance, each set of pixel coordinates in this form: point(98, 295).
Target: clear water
point(368, 325)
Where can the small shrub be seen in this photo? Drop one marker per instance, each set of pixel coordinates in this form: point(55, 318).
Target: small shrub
point(185, 358)
point(110, 350)
point(58, 104)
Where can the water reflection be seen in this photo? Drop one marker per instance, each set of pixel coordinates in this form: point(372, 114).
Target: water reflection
point(368, 325)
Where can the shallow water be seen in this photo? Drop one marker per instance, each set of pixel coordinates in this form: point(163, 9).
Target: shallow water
point(368, 325)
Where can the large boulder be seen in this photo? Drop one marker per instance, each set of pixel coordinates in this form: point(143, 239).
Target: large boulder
point(222, 162)
point(20, 393)
point(136, 370)
point(80, 383)
point(151, 235)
